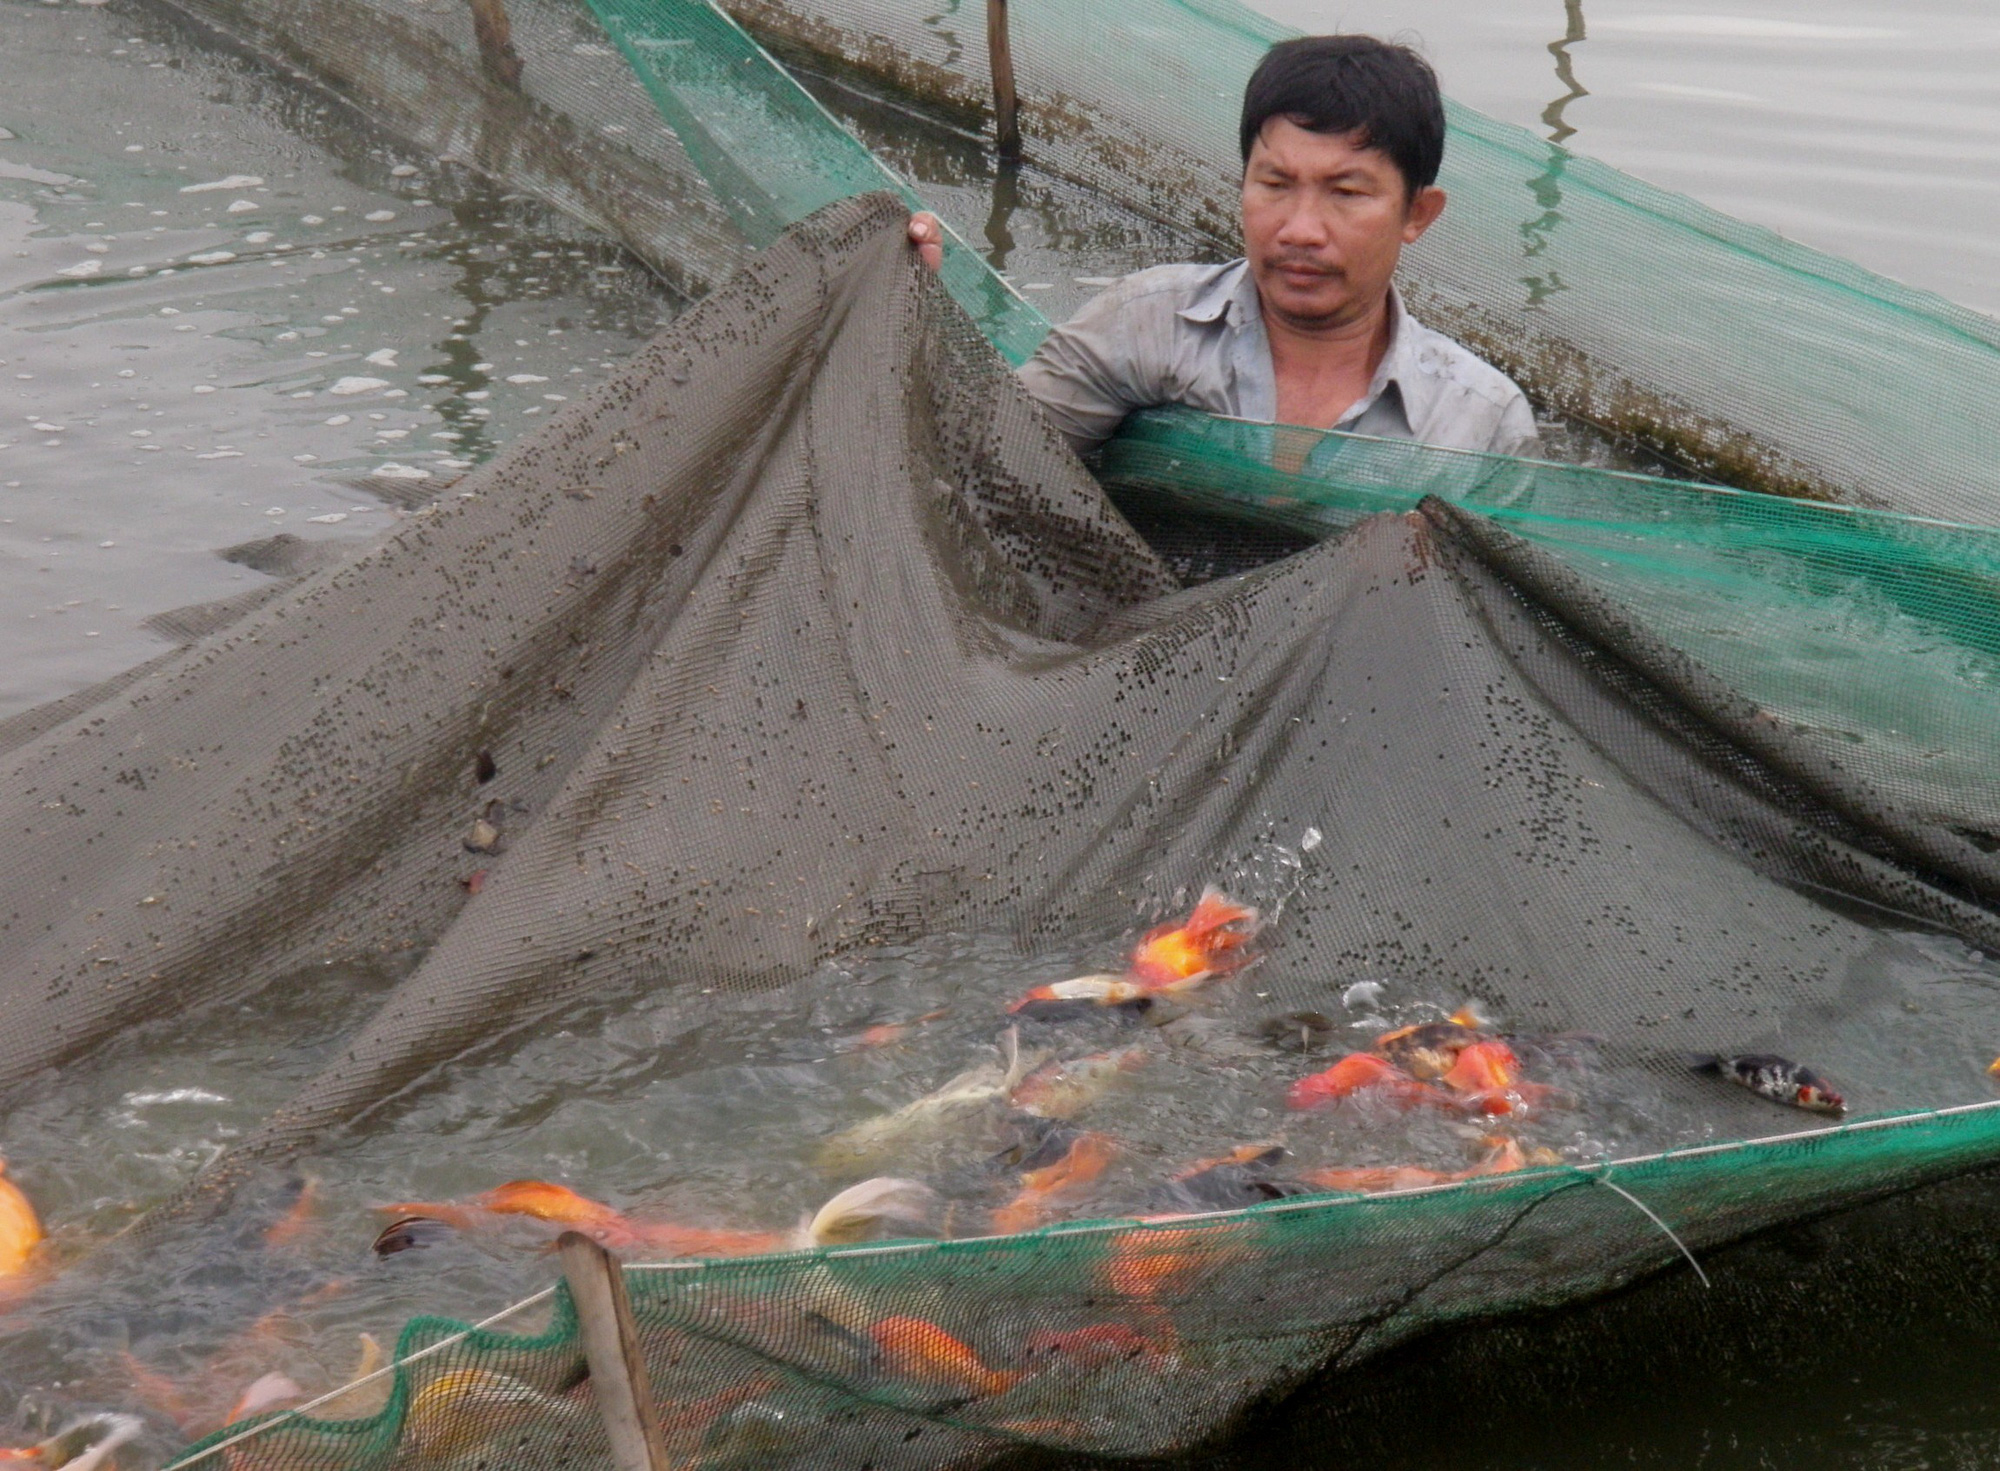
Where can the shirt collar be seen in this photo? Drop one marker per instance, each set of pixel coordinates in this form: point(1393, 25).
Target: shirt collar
point(1229, 291)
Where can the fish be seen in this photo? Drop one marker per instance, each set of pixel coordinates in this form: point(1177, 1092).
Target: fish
point(1095, 1346)
point(1372, 1180)
point(1776, 1078)
point(1995, 1068)
point(536, 1199)
point(918, 1349)
point(1427, 1050)
point(1487, 1078)
point(1209, 942)
point(265, 1394)
point(1363, 1071)
point(1086, 1158)
point(947, 1110)
point(1062, 1089)
point(82, 1445)
point(462, 1409)
point(298, 1220)
point(1227, 1182)
point(1297, 1031)
point(886, 1034)
point(1503, 1156)
point(857, 1213)
point(1080, 996)
point(20, 1228)
point(411, 1233)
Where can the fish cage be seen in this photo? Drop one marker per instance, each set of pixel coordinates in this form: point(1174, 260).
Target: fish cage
point(836, 619)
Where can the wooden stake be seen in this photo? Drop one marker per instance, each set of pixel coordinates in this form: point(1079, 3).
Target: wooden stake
point(495, 34)
point(1006, 122)
point(611, 1348)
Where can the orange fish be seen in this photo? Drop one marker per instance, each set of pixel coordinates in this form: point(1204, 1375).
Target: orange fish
point(1092, 1346)
point(1484, 1066)
point(1995, 1069)
point(1358, 1071)
point(855, 1214)
point(20, 1227)
point(1089, 1155)
point(1367, 1181)
point(1487, 1077)
point(918, 1349)
point(536, 1199)
point(886, 1034)
point(1150, 1265)
point(1174, 957)
point(296, 1222)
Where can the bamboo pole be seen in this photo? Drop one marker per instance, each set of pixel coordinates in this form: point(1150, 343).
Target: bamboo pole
point(611, 1348)
point(1000, 48)
point(495, 34)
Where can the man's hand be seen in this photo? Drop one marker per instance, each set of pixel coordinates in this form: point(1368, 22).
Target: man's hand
point(927, 235)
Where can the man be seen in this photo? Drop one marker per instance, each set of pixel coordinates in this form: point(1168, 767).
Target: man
point(1342, 137)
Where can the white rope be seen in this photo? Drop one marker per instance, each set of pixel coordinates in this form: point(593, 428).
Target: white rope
point(1647, 1212)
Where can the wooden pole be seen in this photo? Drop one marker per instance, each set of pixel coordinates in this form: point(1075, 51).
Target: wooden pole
point(1006, 122)
point(495, 34)
point(611, 1348)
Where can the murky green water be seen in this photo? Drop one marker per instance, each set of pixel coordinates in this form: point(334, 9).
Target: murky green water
point(178, 373)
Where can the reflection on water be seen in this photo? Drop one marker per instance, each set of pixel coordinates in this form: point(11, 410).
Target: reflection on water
point(1552, 115)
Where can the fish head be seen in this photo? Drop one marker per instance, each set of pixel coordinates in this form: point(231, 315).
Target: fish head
point(1819, 1098)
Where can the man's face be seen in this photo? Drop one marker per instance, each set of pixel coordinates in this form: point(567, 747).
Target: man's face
point(1323, 224)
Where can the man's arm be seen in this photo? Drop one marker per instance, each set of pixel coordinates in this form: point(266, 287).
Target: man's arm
point(1087, 374)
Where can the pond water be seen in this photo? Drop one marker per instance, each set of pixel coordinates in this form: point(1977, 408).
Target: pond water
point(228, 310)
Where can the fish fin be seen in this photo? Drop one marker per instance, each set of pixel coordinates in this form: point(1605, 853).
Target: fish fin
point(1215, 910)
point(857, 1212)
point(1473, 1016)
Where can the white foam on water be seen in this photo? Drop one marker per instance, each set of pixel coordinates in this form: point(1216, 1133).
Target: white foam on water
point(311, 220)
point(384, 357)
point(172, 1095)
point(394, 471)
point(212, 258)
point(432, 378)
point(526, 378)
point(347, 387)
point(241, 207)
point(203, 388)
point(81, 269)
point(257, 237)
point(332, 518)
point(403, 171)
point(338, 419)
point(379, 216)
point(234, 181)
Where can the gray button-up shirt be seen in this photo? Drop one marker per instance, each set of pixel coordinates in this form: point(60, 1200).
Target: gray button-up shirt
point(1194, 335)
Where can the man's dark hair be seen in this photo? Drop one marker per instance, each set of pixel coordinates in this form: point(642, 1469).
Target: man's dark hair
point(1383, 96)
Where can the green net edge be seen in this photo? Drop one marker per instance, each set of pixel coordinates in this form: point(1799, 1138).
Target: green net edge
point(1917, 1147)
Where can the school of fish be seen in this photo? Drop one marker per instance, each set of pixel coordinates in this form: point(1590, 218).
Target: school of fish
point(1461, 1070)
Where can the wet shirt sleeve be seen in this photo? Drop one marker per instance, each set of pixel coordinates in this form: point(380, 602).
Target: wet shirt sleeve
point(1114, 356)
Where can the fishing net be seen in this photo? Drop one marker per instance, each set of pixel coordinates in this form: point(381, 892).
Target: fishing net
point(807, 636)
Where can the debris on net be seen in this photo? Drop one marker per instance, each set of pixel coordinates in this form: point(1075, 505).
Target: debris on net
point(867, 657)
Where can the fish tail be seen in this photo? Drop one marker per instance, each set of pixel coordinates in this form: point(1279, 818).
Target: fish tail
point(857, 1212)
point(1706, 1062)
point(1216, 910)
